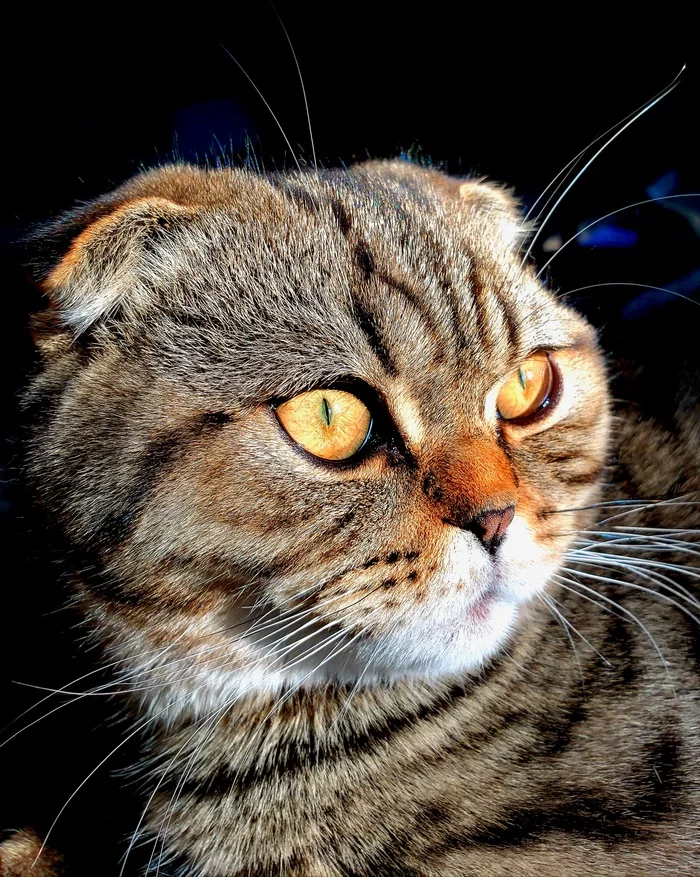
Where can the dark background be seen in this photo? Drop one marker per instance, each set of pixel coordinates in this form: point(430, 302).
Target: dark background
point(88, 103)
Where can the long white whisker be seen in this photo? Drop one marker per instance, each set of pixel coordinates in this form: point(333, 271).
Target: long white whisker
point(303, 88)
point(576, 630)
point(130, 736)
point(276, 655)
point(632, 506)
point(638, 285)
point(607, 216)
point(346, 706)
point(56, 691)
point(624, 552)
point(163, 775)
point(623, 546)
point(640, 542)
point(275, 707)
point(632, 528)
point(564, 624)
point(657, 578)
point(645, 109)
point(622, 609)
point(659, 95)
point(126, 739)
point(262, 97)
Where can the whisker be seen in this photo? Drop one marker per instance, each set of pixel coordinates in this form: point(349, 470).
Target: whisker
point(585, 150)
point(164, 773)
point(640, 542)
point(303, 88)
point(652, 103)
point(346, 706)
point(626, 612)
point(277, 656)
point(262, 97)
point(123, 742)
point(273, 709)
point(607, 216)
point(212, 715)
point(636, 504)
point(632, 506)
point(100, 690)
point(659, 579)
point(630, 527)
point(637, 285)
point(100, 669)
point(576, 630)
point(635, 563)
point(564, 624)
point(130, 736)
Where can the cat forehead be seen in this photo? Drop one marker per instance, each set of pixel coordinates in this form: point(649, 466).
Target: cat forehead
point(383, 200)
point(385, 270)
point(385, 222)
point(388, 242)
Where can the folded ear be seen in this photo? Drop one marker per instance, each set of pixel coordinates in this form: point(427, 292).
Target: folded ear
point(498, 205)
point(102, 271)
point(487, 204)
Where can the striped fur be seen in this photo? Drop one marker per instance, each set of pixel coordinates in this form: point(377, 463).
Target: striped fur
point(323, 691)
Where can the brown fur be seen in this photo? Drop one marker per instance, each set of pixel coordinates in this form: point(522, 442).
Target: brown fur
point(18, 853)
point(182, 308)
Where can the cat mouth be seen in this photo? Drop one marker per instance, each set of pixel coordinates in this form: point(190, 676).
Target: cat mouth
point(480, 606)
point(480, 609)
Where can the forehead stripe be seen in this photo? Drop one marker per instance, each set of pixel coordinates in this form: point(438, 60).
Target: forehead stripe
point(417, 299)
point(509, 320)
point(367, 322)
point(480, 314)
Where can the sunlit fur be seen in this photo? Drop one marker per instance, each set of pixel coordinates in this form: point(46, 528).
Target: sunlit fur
point(269, 608)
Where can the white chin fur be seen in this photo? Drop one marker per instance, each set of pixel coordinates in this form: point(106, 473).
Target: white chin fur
point(442, 649)
point(443, 636)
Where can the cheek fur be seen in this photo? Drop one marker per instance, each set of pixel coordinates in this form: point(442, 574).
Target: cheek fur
point(408, 571)
point(525, 564)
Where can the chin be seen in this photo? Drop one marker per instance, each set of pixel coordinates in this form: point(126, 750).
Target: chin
point(444, 646)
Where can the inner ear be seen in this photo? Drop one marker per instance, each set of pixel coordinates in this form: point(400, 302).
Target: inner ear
point(102, 271)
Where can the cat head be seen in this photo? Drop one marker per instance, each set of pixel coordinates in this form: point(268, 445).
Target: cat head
point(309, 426)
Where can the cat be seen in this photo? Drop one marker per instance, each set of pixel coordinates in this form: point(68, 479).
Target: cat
point(337, 480)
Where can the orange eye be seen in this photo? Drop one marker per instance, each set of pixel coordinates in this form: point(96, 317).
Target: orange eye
point(330, 424)
point(527, 390)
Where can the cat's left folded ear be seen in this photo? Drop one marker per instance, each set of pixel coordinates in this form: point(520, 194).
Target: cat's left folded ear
point(102, 271)
point(98, 262)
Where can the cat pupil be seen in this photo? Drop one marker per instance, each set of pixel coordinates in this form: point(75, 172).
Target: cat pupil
point(327, 415)
point(523, 378)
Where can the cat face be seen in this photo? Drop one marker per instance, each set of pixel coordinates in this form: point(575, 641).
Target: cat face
point(311, 426)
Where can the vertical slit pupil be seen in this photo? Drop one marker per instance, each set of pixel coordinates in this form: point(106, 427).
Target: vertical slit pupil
point(521, 375)
point(326, 409)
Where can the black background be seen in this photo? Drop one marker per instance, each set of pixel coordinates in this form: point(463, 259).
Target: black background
point(89, 102)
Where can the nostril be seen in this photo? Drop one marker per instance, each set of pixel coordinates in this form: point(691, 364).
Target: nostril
point(490, 528)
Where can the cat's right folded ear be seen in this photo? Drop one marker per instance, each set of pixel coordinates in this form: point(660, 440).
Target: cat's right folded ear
point(97, 266)
point(497, 205)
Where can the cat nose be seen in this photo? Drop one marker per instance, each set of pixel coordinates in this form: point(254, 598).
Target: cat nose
point(490, 527)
